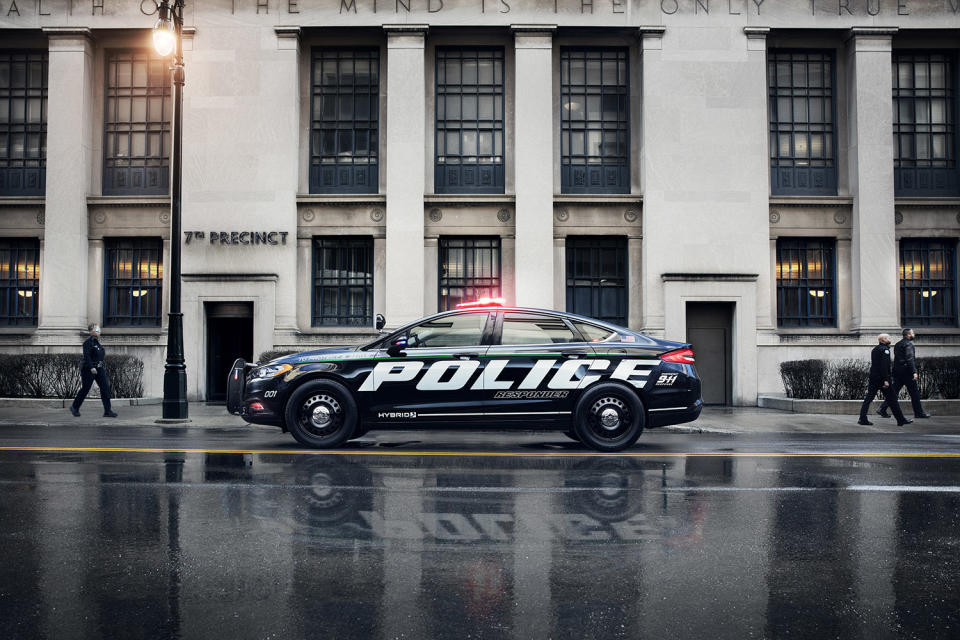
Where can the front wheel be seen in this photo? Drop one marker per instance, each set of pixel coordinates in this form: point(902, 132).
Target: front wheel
point(321, 414)
point(609, 418)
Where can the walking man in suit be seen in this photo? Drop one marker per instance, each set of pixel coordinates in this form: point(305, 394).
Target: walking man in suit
point(880, 381)
point(905, 375)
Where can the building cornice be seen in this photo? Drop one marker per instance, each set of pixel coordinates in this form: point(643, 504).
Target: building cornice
point(128, 201)
point(811, 201)
point(340, 200)
point(230, 277)
point(709, 277)
point(33, 202)
point(68, 32)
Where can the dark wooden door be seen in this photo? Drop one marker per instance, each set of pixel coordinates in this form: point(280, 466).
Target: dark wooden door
point(710, 331)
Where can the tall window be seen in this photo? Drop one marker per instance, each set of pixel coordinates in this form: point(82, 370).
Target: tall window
point(806, 282)
point(137, 120)
point(924, 129)
point(597, 278)
point(23, 123)
point(469, 136)
point(342, 281)
point(594, 121)
point(928, 283)
point(19, 281)
point(133, 274)
point(345, 122)
point(802, 124)
point(469, 269)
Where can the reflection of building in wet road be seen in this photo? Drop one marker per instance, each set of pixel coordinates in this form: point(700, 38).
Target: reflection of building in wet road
point(317, 546)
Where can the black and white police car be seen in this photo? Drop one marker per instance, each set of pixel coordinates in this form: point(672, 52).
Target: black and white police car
point(482, 364)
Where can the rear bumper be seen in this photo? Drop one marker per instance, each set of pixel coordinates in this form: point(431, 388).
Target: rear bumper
point(673, 415)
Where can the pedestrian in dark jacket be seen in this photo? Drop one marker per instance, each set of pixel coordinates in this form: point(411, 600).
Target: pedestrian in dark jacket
point(880, 380)
point(91, 368)
point(905, 375)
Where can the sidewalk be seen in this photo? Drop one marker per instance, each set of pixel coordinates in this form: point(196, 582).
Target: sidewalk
point(730, 420)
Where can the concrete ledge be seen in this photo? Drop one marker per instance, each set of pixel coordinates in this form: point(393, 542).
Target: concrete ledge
point(63, 403)
point(851, 407)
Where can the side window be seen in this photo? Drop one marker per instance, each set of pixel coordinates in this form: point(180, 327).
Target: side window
point(524, 329)
point(461, 330)
point(593, 333)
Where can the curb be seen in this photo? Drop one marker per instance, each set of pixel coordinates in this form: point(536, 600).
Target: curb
point(681, 428)
point(848, 407)
point(63, 403)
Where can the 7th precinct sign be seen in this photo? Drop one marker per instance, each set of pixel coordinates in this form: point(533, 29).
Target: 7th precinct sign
point(238, 237)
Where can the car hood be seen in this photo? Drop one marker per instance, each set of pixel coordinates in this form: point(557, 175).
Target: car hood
point(314, 354)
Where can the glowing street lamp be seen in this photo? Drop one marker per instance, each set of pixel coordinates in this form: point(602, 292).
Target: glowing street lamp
point(168, 39)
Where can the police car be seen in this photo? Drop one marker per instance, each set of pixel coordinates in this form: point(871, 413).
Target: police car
point(483, 364)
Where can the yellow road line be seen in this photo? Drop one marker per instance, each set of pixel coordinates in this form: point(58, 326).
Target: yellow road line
point(490, 454)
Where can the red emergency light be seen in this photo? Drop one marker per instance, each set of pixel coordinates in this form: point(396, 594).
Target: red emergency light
point(482, 302)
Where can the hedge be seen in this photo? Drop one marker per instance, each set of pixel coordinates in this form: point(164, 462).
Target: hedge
point(57, 375)
point(847, 379)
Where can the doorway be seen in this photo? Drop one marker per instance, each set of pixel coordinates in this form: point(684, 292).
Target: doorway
point(229, 336)
point(710, 331)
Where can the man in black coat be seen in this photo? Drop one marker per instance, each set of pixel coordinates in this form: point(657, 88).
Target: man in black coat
point(91, 368)
point(905, 375)
point(880, 381)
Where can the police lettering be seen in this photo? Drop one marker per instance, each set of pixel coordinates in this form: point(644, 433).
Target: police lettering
point(453, 375)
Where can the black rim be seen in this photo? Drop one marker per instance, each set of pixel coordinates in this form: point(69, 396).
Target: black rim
point(610, 417)
point(320, 415)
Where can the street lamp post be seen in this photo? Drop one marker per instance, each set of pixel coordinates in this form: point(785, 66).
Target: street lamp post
point(167, 39)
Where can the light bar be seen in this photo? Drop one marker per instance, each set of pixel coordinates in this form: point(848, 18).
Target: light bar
point(482, 302)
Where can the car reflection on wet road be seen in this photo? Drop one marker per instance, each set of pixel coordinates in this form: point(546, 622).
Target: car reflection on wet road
point(262, 545)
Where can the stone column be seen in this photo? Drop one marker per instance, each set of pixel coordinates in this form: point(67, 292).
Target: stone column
point(283, 88)
point(533, 149)
point(63, 295)
point(406, 172)
point(874, 248)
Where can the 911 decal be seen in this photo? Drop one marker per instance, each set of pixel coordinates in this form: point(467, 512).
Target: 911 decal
point(453, 375)
point(667, 379)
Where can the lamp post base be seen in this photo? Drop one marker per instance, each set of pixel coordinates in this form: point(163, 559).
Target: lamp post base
point(175, 392)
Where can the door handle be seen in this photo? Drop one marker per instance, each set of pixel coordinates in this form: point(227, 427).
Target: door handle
point(573, 353)
point(466, 356)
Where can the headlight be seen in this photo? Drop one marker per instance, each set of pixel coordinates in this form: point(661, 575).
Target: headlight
point(270, 371)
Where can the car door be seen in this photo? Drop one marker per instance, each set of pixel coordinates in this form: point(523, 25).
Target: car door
point(437, 375)
point(536, 367)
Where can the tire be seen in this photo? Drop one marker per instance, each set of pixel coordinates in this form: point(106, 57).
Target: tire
point(609, 417)
point(321, 414)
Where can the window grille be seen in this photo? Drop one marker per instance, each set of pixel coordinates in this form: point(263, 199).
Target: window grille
point(924, 129)
point(345, 107)
point(594, 121)
point(19, 281)
point(597, 278)
point(928, 283)
point(23, 123)
point(806, 282)
point(469, 133)
point(133, 277)
point(469, 269)
point(802, 123)
point(342, 281)
point(137, 121)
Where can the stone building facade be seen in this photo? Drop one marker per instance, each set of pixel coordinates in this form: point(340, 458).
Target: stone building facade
point(770, 181)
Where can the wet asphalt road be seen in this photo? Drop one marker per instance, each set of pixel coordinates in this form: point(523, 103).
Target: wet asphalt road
point(420, 534)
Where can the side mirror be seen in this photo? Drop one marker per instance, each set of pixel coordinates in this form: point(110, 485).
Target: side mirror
point(380, 322)
point(397, 348)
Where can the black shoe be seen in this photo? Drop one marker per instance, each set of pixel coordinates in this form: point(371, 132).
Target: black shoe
point(905, 421)
point(922, 415)
point(883, 413)
point(109, 414)
point(865, 422)
point(74, 411)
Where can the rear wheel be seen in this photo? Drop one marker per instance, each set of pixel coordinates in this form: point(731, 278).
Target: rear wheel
point(609, 418)
point(321, 414)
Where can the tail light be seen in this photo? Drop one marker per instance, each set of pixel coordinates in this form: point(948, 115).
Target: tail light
point(683, 356)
